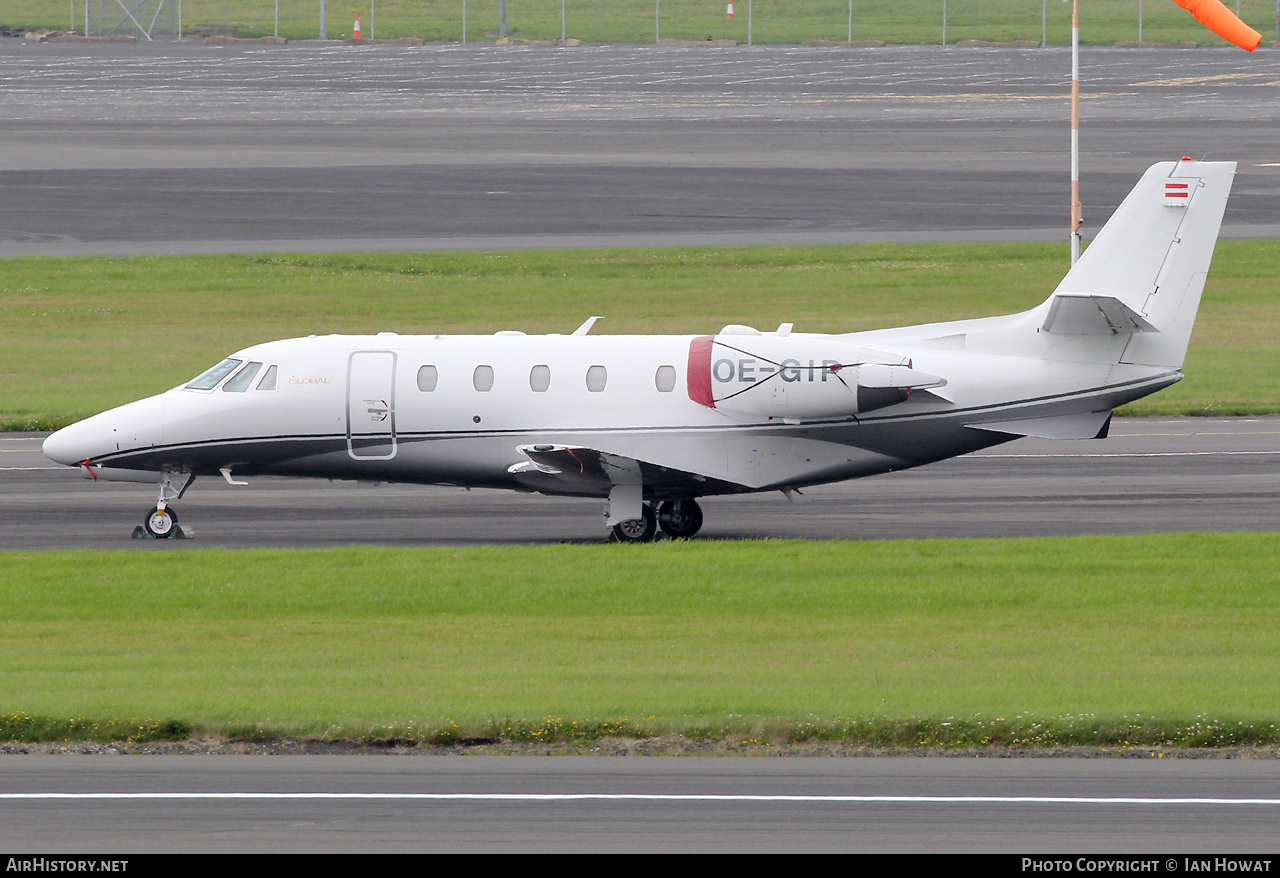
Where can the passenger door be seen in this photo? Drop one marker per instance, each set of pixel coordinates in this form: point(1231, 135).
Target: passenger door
point(371, 405)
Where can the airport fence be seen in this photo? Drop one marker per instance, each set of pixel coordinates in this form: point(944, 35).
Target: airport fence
point(640, 21)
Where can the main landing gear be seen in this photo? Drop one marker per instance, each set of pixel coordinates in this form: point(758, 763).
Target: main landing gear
point(677, 518)
point(680, 518)
point(161, 522)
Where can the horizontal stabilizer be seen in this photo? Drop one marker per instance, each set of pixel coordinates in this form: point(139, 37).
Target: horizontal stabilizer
point(1078, 314)
point(1086, 425)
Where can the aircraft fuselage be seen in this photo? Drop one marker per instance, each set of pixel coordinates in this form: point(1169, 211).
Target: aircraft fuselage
point(645, 420)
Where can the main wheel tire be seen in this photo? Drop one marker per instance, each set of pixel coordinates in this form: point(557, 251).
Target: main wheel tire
point(637, 530)
point(161, 523)
point(680, 518)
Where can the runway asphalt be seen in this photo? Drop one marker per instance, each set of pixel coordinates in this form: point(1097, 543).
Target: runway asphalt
point(191, 148)
point(117, 806)
point(1151, 475)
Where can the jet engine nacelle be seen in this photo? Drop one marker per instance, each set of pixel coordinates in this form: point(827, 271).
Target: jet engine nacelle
point(796, 378)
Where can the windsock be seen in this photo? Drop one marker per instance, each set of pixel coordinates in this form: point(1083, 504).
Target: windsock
point(1223, 22)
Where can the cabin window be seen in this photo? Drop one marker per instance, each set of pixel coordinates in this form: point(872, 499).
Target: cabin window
point(243, 379)
point(268, 381)
point(540, 378)
point(596, 378)
point(665, 379)
point(210, 379)
point(428, 376)
point(483, 378)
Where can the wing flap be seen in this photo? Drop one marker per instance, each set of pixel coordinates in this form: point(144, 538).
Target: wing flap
point(1087, 425)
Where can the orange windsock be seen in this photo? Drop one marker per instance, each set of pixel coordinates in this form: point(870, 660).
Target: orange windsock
point(1223, 22)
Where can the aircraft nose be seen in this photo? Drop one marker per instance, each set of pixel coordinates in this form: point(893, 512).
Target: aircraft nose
point(135, 426)
point(66, 446)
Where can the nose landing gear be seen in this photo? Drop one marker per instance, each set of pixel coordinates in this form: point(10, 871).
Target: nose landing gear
point(161, 523)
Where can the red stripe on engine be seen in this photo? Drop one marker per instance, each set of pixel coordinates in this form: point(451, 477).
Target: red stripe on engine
point(699, 379)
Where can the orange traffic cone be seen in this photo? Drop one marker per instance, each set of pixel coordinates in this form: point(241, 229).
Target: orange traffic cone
point(729, 12)
point(355, 33)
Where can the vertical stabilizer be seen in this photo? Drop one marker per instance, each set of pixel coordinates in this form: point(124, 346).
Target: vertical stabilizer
point(1153, 256)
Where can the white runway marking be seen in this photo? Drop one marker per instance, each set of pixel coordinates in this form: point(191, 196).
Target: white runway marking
point(653, 797)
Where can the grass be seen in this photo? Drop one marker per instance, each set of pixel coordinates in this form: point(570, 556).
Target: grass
point(1166, 638)
point(81, 335)
point(632, 21)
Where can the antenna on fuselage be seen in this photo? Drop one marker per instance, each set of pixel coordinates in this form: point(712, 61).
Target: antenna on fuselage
point(586, 325)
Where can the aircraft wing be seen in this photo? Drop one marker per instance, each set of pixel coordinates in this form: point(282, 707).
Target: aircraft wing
point(577, 469)
point(678, 465)
point(1080, 425)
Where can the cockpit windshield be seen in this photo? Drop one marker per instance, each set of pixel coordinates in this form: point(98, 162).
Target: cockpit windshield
point(210, 379)
point(243, 379)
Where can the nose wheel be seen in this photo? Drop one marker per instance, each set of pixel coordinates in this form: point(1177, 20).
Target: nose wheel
point(160, 523)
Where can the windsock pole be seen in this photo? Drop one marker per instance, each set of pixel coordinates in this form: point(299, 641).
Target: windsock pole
point(1077, 211)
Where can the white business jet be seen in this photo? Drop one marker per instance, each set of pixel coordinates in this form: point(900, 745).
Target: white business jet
point(651, 423)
